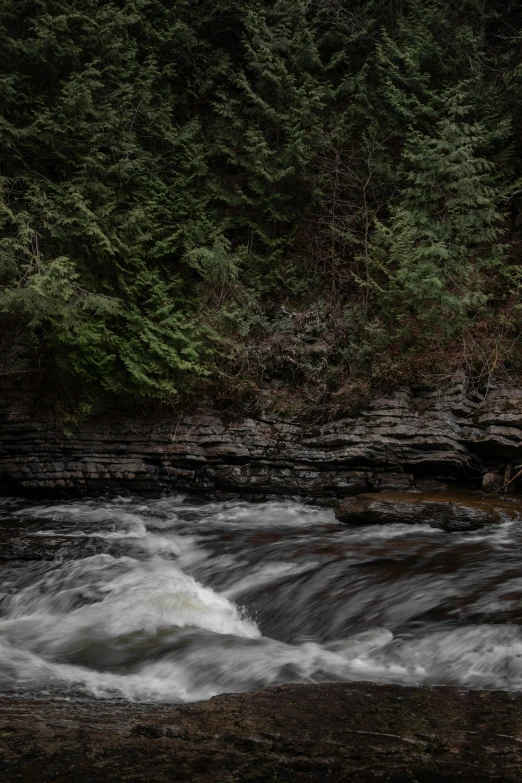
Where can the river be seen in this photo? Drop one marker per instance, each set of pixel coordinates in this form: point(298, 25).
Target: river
point(184, 599)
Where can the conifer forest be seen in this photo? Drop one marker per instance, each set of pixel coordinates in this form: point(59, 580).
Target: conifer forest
point(205, 194)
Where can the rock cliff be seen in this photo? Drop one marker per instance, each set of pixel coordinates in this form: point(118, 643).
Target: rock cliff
point(398, 441)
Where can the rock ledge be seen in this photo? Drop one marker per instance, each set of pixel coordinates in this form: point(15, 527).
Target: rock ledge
point(357, 732)
point(396, 443)
point(446, 511)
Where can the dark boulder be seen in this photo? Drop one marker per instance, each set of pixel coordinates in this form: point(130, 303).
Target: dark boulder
point(463, 511)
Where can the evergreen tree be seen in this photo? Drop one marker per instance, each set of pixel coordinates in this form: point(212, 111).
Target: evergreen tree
point(171, 173)
point(445, 230)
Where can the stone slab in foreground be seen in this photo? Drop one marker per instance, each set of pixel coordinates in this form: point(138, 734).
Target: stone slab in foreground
point(331, 732)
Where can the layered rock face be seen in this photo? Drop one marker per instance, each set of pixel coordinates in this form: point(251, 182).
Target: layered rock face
point(396, 443)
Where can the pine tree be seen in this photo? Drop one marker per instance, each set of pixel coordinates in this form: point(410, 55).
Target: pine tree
point(268, 122)
point(445, 230)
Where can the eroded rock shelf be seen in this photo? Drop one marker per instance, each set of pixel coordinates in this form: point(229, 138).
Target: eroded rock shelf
point(398, 442)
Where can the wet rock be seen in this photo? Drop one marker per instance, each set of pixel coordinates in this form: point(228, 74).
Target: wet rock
point(446, 512)
point(24, 548)
point(152, 732)
point(173, 732)
point(491, 482)
point(358, 732)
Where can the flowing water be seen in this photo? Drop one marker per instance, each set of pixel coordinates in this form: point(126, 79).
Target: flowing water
point(186, 599)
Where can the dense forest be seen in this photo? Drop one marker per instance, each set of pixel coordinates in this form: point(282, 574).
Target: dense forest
point(206, 194)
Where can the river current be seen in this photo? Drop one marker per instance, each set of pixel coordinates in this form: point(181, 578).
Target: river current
point(185, 599)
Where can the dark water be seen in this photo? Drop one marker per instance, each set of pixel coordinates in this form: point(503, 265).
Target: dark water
point(189, 599)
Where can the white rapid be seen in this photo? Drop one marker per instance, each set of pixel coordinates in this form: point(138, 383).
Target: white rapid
point(187, 599)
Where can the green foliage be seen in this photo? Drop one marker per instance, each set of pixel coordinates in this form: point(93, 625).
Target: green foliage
point(173, 173)
point(100, 194)
point(445, 229)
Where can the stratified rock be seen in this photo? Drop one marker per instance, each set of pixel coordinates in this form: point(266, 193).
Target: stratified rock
point(431, 485)
point(447, 512)
point(397, 481)
point(398, 440)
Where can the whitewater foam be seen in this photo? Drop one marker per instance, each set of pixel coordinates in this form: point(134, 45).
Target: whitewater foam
point(197, 599)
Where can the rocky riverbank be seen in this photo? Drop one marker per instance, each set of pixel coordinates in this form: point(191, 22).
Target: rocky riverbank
point(401, 460)
point(398, 442)
point(335, 732)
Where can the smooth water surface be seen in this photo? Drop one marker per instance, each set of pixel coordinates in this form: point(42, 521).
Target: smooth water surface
point(186, 599)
